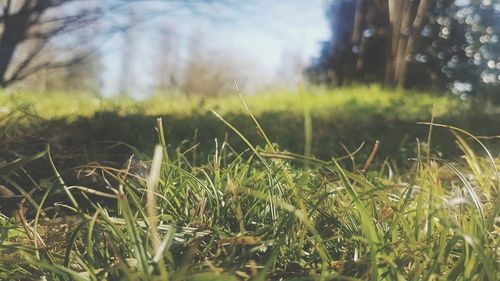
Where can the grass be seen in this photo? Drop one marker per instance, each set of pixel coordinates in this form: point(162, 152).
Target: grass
point(338, 119)
point(345, 101)
point(258, 212)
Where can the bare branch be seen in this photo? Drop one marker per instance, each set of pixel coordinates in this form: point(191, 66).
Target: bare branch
point(56, 65)
point(28, 59)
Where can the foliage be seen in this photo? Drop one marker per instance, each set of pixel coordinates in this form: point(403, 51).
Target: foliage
point(431, 44)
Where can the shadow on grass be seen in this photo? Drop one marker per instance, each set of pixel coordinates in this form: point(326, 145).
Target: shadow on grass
point(109, 138)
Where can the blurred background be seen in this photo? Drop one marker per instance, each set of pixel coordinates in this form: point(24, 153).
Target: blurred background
point(138, 48)
point(322, 76)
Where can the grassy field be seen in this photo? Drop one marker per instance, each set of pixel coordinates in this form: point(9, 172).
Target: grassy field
point(282, 188)
point(343, 117)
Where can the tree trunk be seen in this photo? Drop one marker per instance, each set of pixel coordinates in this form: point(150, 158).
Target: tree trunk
point(15, 30)
point(405, 25)
point(417, 25)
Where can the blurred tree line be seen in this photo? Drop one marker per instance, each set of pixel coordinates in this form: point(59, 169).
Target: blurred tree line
point(55, 45)
point(51, 44)
point(422, 44)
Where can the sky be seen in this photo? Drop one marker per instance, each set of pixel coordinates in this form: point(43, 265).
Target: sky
point(261, 34)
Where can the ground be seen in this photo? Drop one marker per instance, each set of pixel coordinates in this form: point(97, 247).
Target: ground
point(279, 185)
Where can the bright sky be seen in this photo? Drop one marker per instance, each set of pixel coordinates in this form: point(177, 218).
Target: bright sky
point(262, 33)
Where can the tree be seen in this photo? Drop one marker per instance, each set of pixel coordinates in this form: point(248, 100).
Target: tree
point(128, 53)
point(414, 43)
point(211, 72)
point(469, 45)
point(31, 25)
point(357, 47)
point(405, 23)
point(83, 76)
point(166, 60)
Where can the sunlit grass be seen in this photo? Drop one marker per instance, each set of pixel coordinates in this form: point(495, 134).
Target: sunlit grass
point(368, 100)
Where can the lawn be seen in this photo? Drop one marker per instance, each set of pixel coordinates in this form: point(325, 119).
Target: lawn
point(283, 185)
point(342, 117)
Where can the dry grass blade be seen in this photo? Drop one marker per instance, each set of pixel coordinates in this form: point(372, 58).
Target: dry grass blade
point(152, 187)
